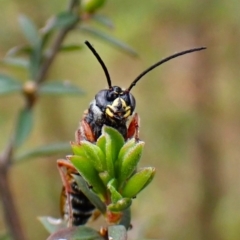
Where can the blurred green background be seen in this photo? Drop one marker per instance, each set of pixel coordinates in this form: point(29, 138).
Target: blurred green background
point(189, 111)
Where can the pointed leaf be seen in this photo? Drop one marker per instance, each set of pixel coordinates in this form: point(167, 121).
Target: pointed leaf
point(9, 85)
point(105, 177)
point(45, 150)
point(129, 162)
point(5, 79)
point(16, 62)
point(93, 198)
point(35, 60)
point(138, 181)
point(109, 39)
point(117, 232)
point(17, 50)
point(103, 20)
point(76, 233)
point(24, 126)
point(60, 88)
point(29, 29)
point(109, 157)
point(115, 140)
point(63, 20)
point(89, 173)
point(115, 195)
point(123, 153)
point(101, 142)
point(95, 155)
point(78, 150)
point(71, 47)
point(52, 224)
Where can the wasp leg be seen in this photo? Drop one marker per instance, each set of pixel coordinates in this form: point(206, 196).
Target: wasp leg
point(66, 169)
point(84, 132)
point(133, 128)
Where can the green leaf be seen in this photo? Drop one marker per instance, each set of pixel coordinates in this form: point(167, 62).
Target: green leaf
point(63, 20)
point(16, 62)
point(93, 198)
point(24, 126)
point(123, 152)
point(126, 148)
point(60, 88)
point(105, 177)
point(114, 142)
point(76, 233)
point(138, 181)
point(89, 173)
point(129, 162)
point(103, 20)
point(17, 50)
point(78, 150)
point(120, 205)
point(109, 39)
point(114, 139)
point(29, 29)
point(52, 224)
point(9, 84)
point(115, 195)
point(71, 47)
point(117, 232)
point(109, 158)
point(95, 155)
point(46, 150)
point(35, 60)
point(101, 142)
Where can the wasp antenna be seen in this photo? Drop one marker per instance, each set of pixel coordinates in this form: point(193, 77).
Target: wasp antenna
point(101, 62)
point(161, 62)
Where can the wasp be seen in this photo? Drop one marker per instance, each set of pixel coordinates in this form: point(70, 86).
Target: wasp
point(112, 107)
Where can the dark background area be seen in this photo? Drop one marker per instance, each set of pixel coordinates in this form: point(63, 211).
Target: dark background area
point(189, 111)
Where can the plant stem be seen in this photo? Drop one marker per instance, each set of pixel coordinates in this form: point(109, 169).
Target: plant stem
point(56, 45)
point(9, 207)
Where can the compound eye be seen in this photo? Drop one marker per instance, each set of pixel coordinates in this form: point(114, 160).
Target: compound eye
point(111, 95)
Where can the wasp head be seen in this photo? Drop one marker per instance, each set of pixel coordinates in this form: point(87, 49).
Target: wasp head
point(117, 104)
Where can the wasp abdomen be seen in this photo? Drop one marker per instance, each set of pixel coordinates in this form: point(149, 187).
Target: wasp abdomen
point(82, 208)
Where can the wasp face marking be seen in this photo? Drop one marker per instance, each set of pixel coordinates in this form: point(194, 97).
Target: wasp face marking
point(118, 104)
point(111, 107)
point(118, 110)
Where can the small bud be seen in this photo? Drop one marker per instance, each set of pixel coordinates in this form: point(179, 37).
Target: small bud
point(30, 88)
point(92, 5)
